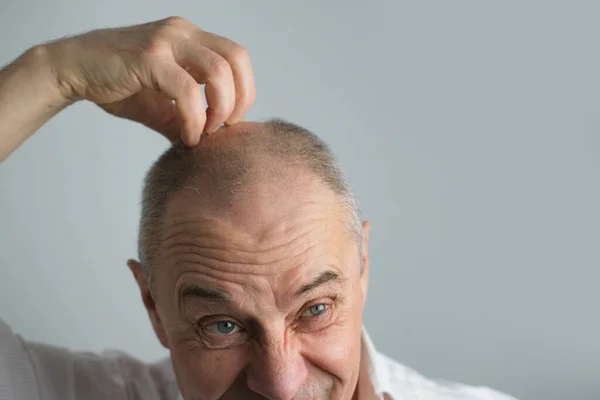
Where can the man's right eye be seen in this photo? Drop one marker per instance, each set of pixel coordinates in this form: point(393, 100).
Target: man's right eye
point(223, 328)
point(220, 333)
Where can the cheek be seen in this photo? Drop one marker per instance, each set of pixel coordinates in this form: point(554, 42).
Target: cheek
point(206, 374)
point(336, 350)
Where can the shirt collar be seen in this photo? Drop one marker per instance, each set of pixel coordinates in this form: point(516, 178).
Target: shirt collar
point(371, 371)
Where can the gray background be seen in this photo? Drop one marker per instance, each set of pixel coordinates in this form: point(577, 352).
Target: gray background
point(468, 129)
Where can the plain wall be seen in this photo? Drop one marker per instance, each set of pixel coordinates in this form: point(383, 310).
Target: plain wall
point(469, 131)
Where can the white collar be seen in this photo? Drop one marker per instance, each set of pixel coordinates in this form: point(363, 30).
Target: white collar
point(377, 376)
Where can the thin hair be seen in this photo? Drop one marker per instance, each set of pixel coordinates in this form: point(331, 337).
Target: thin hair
point(226, 170)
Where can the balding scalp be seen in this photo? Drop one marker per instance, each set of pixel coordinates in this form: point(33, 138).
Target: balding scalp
point(222, 170)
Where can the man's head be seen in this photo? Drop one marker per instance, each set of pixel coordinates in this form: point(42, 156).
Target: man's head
point(254, 265)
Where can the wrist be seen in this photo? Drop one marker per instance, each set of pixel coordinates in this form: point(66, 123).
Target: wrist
point(42, 63)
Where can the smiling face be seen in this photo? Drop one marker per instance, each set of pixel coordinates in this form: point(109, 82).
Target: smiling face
point(263, 301)
point(261, 296)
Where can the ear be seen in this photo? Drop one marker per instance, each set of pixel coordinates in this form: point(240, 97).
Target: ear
point(364, 280)
point(148, 300)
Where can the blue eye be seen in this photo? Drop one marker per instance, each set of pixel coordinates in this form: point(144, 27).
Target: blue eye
point(223, 328)
point(315, 310)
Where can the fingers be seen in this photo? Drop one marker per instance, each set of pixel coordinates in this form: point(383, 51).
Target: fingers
point(175, 82)
point(243, 76)
point(223, 65)
point(182, 57)
point(207, 66)
point(226, 69)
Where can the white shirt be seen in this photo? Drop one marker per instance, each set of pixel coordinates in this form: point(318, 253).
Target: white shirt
point(33, 371)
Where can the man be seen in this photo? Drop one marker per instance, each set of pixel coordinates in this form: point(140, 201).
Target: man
point(253, 261)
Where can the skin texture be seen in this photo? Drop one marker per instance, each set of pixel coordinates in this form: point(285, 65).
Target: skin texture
point(260, 251)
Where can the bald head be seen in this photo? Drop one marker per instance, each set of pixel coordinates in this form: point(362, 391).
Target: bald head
point(230, 169)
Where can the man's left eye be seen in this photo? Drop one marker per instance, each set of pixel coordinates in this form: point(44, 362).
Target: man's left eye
point(315, 310)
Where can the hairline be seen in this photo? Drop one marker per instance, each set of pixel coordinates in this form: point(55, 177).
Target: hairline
point(153, 212)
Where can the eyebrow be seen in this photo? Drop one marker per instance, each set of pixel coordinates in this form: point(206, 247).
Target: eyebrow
point(203, 293)
point(322, 279)
point(216, 295)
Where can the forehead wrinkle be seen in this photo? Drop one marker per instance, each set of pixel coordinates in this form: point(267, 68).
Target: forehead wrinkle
point(183, 225)
point(185, 238)
point(280, 283)
point(196, 261)
point(206, 249)
point(275, 292)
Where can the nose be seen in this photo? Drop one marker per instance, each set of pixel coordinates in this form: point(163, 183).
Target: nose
point(277, 371)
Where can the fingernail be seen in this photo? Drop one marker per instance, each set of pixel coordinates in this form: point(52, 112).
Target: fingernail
point(209, 129)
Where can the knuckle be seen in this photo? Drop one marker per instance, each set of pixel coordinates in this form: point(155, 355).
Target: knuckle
point(238, 53)
point(172, 27)
point(156, 48)
point(188, 86)
point(218, 66)
point(175, 21)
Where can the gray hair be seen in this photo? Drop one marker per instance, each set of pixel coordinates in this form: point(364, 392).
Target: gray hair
point(227, 169)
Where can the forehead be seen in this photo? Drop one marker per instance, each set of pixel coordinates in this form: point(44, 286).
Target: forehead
point(266, 226)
